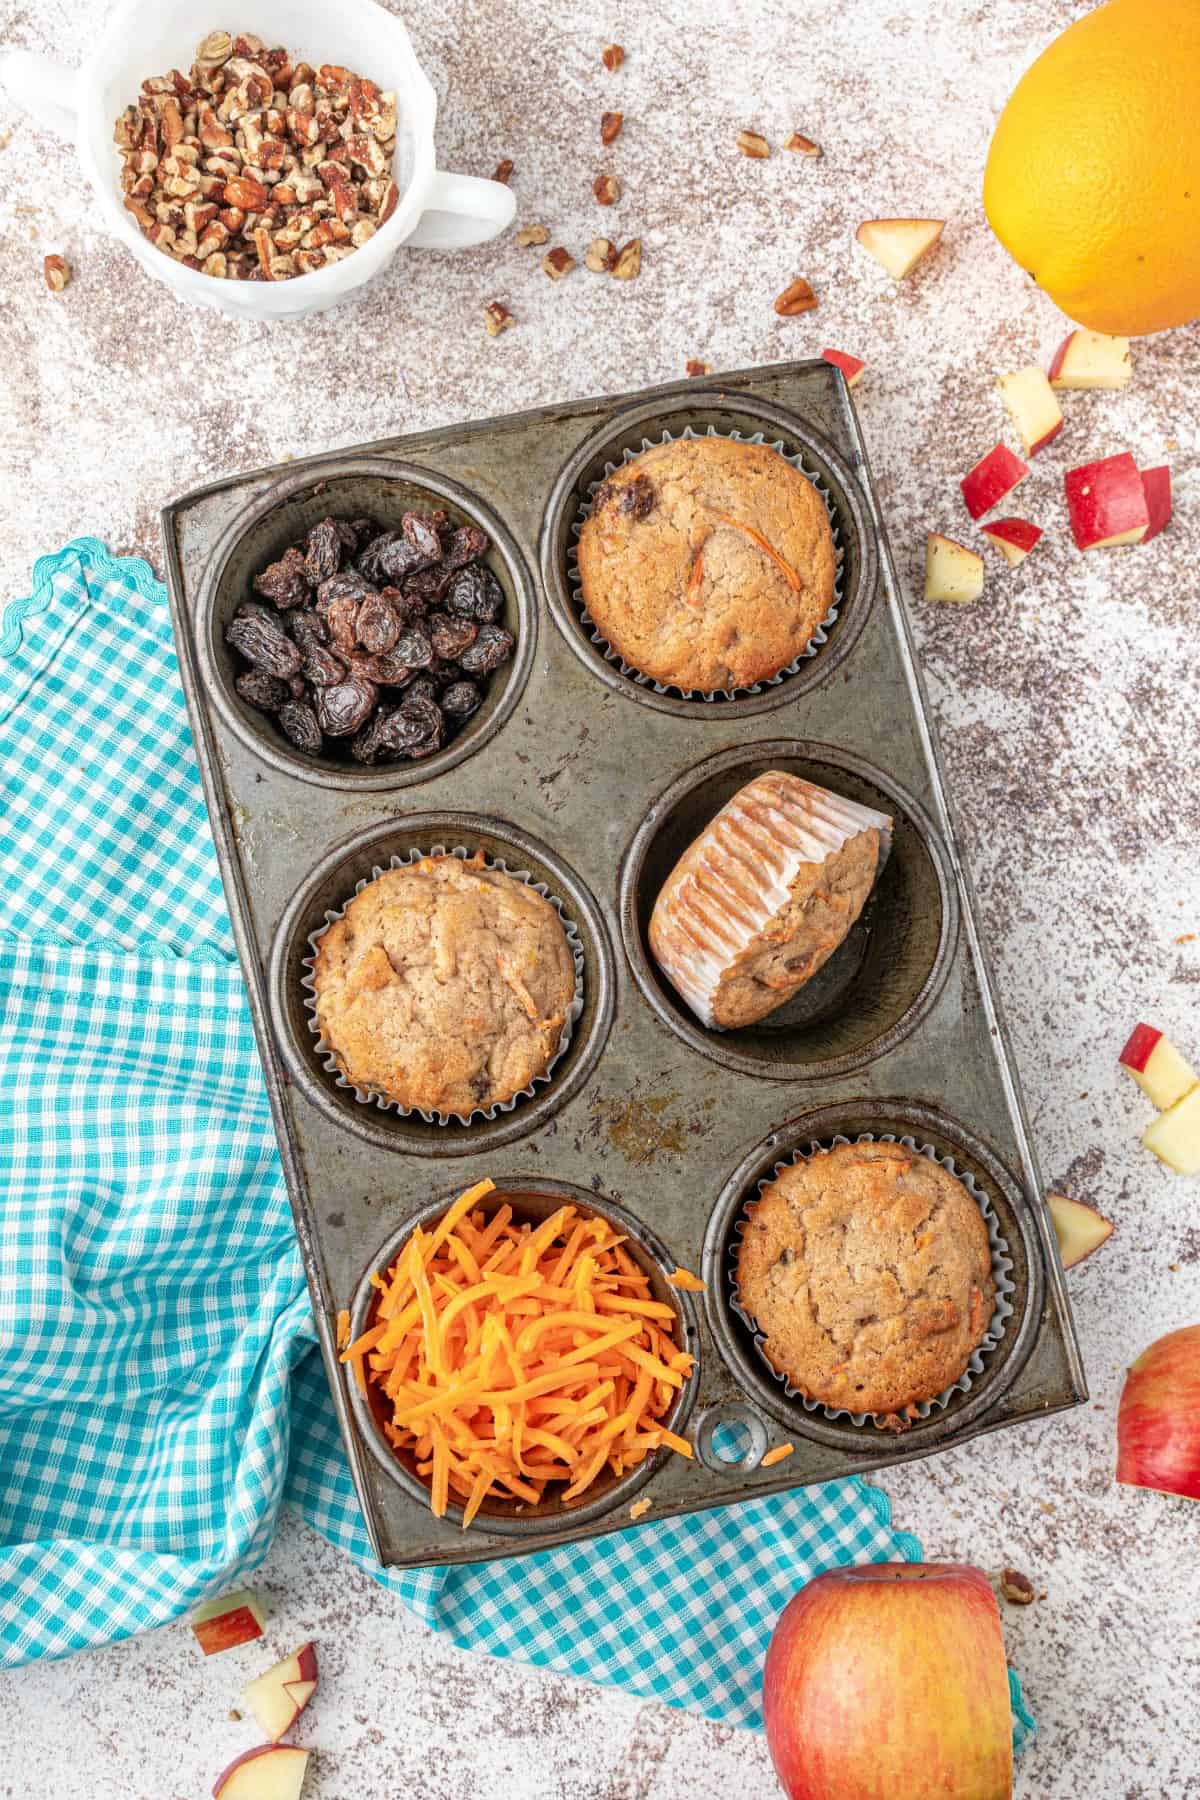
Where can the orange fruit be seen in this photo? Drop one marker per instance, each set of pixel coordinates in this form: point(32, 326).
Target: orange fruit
point(1093, 176)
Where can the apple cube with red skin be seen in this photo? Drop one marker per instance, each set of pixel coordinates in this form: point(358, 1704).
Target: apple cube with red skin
point(1162, 1073)
point(851, 366)
point(1156, 485)
point(899, 244)
point(1106, 503)
point(1014, 538)
point(1174, 1136)
point(993, 476)
point(952, 572)
point(268, 1772)
point(1032, 407)
point(886, 1681)
point(1079, 1228)
point(1088, 359)
point(278, 1697)
point(227, 1621)
point(1158, 1420)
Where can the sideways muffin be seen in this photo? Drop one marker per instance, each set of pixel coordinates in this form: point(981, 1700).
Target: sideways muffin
point(867, 1269)
point(707, 564)
point(445, 986)
point(764, 896)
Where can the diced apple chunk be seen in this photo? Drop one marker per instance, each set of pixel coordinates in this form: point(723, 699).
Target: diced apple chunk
point(1174, 1136)
point(899, 244)
point(1014, 538)
point(1162, 1073)
point(1088, 359)
point(1106, 503)
point(228, 1620)
point(851, 366)
point(952, 572)
point(1079, 1228)
point(1032, 407)
point(1156, 485)
point(278, 1697)
point(268, 1772)
point(993, 476)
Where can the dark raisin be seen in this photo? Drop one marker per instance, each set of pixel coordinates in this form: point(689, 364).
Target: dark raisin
point(257, 688)
point(391, 558)
point(465, 544)
point(443, 674)
point(297, 687)
point(405, 608)
point(283, 582)
point(367, 743)
point(450, 636)
point(299, 723)
point(342, 708)
point(364, 530)
point(386, 669)
point(308, 628)
point(341, 619)
point(378, 624)
point(492, 647)
point(414, 647)
point(323, 556)
point(258, 636)
point(347, 536)
point(636, 499)
point(422, 533)
point(349, 584)
point(460, 699)
point(428, 717)
point(423, 687)
point(475, 594)
point(322, 668)
point(428, 585)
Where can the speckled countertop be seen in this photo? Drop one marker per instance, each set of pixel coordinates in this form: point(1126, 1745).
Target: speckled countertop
point(1067, 702)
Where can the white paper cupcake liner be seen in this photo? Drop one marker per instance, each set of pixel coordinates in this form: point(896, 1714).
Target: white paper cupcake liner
point(384, 1102)
point(815, 643)
point(1001, 1276)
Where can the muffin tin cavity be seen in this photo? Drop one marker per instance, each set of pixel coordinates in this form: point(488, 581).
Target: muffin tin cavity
point(383, 491)
point(628, 434)
point(328, 890)
point(1019, 1263)
point(874, 988)
point(532, 1198)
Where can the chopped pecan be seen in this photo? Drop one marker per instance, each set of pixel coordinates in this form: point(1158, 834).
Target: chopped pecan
point(804, 145)
point(610, 126)
point(532, 234)
point(57, 271)
point(1017, 1589)
point(503, 170)
point(753, 143)
point(600, 256)
point(798, 297)
point(698, 368)
point(607, 190)
point(629, 261)
point(612, 56)
point(496, 317)
point(558, 262)
point(246, 192)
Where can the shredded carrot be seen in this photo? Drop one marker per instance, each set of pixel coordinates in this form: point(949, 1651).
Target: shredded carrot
point(756, 537)
point(684, 1279)
point(779, 1454)
point(343, 1329)
point(516, 1358)
point(640, 1508)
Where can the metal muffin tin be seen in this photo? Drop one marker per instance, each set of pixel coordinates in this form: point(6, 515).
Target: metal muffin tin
point(595, 784)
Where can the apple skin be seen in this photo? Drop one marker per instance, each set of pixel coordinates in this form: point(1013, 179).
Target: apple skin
point(1158, 1422)
point(888, 1681)
point(1014, 538)
point(1138, 1046)
point(851, 366)
point(1106, 503)
point(229, 1620)
point(1156, 485)
point(993, 476)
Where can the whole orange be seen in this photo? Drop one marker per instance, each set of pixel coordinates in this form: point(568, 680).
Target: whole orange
point(1093, 176)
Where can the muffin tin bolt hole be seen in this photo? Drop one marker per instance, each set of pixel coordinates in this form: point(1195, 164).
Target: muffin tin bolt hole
point(730, 1439)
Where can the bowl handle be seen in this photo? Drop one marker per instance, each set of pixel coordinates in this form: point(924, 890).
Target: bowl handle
point(461, 210)
point(42, 87)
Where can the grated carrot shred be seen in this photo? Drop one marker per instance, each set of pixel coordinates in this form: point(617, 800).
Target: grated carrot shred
point(777, 1455)
point(343, 1329)
point(514, 1356)
point(685, 1280)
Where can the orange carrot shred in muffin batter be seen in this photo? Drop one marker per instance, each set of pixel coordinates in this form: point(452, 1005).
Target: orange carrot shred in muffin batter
point(514, 1357)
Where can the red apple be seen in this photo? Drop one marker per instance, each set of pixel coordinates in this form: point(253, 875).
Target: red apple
point(899, 244)
point(1158, 1423)
point(1032, 407)
point(995, 475)
point(1174, 1136)
point(1106, 503)
point(278, 1697)
point(952, 572)
point(268, 1772)
point(1162, 1073)
point(1088, 359)
point(1014, 538)
point(888, 1682)
point(851, 366)
point(1156, 485)
point(229, 1620)
point(1079, 1228)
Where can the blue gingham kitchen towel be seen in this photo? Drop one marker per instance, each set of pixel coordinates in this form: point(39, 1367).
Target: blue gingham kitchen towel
point(159, 1390)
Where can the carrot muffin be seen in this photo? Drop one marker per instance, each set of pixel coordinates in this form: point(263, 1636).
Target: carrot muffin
point(868, 1271)
point(445, 985)
point(707, 564)
point(764, 896)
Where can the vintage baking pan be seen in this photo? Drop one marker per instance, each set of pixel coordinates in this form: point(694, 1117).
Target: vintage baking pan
point(592, 783)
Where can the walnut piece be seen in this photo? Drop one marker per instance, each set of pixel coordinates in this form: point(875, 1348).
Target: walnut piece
point(1016, 1588)
point(753, 143)
point(607, 190)
point(57, 271)
point(612, 56)
point(798, 298)
point(496, 317)
point(558, 262)
point(629, 261)
point(610, 126)
point(804, 145)
point(600, 256)
point(532, 234)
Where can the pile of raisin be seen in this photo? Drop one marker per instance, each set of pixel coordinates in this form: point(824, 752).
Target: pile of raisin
point(385, 638)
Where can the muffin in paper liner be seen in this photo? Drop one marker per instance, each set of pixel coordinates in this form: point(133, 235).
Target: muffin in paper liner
point(1001, 1276)
point(733, 882)
point(819, 638)
point(384, 1102)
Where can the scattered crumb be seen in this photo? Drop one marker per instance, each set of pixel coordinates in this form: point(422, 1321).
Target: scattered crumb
point(1047, 1506)
point(1174, 1268)
point(234, 1714)
point(640, 1508)
point(779, 1454)
point(1186, 937)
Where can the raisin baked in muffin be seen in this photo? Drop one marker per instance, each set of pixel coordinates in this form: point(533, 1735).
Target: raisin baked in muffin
point(707, 563)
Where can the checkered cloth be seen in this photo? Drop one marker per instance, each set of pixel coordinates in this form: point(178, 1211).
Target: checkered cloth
point(160, 1394)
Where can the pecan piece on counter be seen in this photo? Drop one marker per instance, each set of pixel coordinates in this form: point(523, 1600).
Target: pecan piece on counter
point(612, 56)
point(532, 234)
point(796, 298)
point(607, 190)
point(558, 262)
point(753, 143)
point(629, 261)
point(503, 171)
point(600, 256)
point(803, 145)
point(610, 126)
point(57, 272)
point(496, 317)
point(1017, 1589)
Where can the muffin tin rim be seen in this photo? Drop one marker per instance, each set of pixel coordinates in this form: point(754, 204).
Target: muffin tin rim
point(371, 777)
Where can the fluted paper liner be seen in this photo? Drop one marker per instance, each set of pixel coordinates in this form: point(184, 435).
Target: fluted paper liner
point(385, 1103)
point(1001, 1276)
point(819, 637)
